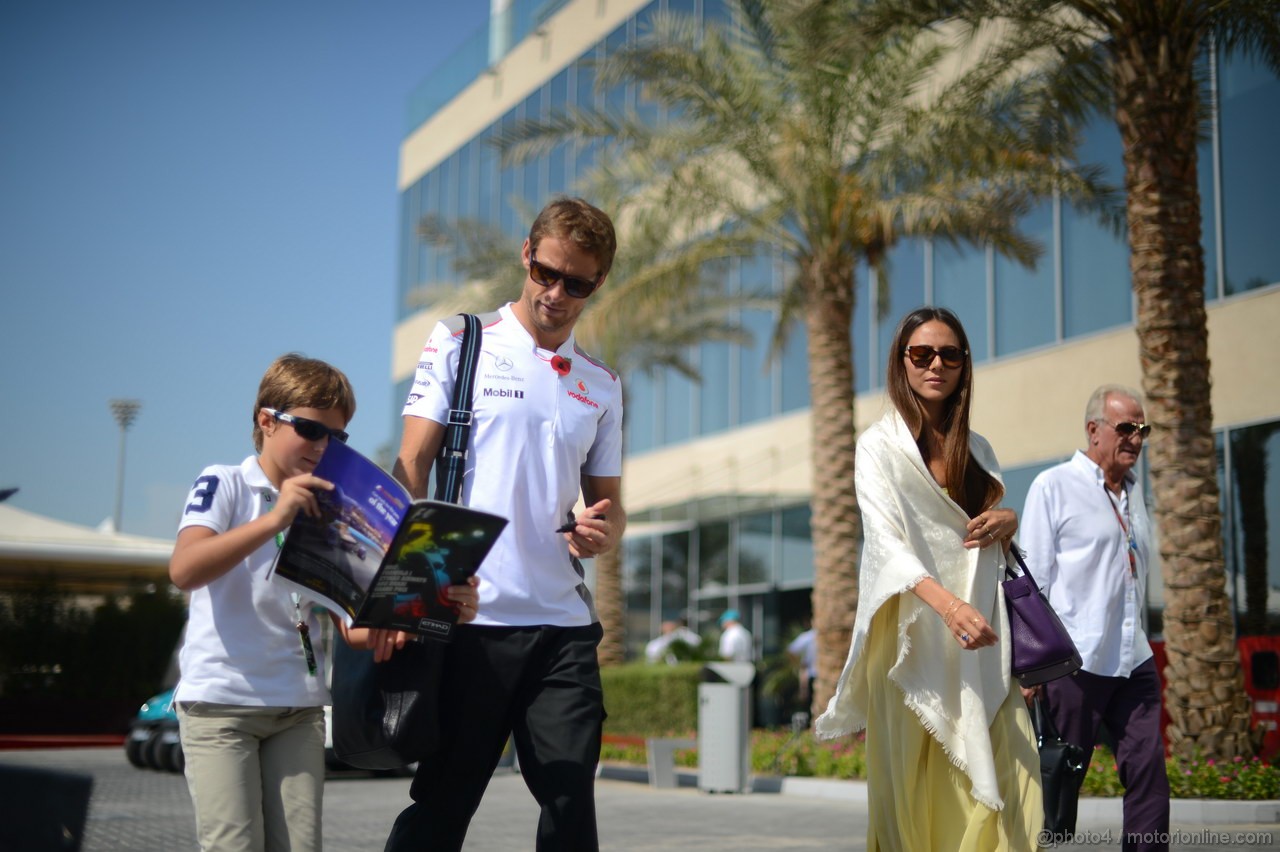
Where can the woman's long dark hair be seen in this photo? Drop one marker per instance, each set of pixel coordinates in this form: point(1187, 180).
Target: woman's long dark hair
point(969, 485)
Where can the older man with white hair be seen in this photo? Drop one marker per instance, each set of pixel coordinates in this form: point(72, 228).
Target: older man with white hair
point(1088, 543)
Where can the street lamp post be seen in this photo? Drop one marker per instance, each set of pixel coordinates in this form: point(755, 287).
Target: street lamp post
point(124, 410)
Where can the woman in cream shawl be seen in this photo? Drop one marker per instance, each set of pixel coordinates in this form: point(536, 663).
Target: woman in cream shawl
point(951, 757)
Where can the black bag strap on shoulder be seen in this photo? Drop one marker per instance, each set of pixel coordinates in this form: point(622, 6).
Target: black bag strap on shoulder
point(452, 464)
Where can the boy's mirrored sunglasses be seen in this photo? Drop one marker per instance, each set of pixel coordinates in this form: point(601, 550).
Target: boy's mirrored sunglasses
point(1128, 428)
point(578, 288)
point(308, 430)
point(922, 356)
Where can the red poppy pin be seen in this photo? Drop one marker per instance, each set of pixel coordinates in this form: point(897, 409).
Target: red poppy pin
point(561, 365)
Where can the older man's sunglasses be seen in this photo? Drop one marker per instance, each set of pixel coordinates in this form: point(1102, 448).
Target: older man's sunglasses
point(1128, 429)
point(578, 288)
point(308, 430)
point(922, 356)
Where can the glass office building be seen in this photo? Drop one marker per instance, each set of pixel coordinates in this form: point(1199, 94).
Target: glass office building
point(717, 473)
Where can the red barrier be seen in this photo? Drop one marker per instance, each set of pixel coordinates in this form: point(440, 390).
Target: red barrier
point(1260, 661)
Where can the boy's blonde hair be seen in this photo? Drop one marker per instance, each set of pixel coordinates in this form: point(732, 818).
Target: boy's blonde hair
point(296, 381)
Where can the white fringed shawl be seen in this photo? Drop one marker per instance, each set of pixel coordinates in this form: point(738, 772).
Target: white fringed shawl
point(913, 530)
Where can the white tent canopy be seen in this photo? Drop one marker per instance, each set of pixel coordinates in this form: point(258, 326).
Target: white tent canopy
point(82, 559)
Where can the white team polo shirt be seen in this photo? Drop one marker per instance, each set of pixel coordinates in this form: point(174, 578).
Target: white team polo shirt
point(534, 435)
point(242, 645)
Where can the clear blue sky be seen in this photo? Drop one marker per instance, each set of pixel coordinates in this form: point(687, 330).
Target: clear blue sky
point(186, 191)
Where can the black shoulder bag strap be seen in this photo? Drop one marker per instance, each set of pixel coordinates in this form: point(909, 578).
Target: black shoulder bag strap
point(453, 452)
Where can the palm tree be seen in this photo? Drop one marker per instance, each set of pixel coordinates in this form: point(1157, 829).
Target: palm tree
point(1138, 58)
point(646, 318)
point(814, 134)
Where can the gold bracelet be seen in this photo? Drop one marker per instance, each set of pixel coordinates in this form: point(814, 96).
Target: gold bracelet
point(956, 603)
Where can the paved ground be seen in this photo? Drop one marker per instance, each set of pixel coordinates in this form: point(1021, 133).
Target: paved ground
point(137, 809)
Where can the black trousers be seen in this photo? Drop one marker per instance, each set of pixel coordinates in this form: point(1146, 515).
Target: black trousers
point(538, 684)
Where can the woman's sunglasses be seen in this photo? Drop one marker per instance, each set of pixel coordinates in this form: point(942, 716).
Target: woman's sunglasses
point(578, 288)
point(1128, 429)
point(922, 356)
point(308, 430)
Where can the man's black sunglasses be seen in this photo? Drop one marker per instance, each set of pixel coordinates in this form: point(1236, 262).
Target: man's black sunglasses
point(308, 430)
point(578, 288)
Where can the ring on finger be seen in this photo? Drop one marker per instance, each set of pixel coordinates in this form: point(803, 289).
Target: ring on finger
point(964, 637)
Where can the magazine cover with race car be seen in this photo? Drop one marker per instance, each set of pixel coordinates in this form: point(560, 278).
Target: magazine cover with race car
point(378, 558)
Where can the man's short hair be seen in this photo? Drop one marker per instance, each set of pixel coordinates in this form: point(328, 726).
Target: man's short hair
point(1096, 409)
point(296, 381)
point(578, 222)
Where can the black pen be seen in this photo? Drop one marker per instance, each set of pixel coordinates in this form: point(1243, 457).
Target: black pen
point(569, 527)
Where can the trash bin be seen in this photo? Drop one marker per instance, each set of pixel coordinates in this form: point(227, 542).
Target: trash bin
point(724, 727)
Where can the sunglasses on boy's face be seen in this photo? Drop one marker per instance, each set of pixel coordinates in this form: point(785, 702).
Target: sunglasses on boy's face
point(308, 430)
point(922, 356)
point(578, 288)
point(1128, 429)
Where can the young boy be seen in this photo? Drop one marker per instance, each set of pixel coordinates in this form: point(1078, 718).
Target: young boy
point(252, 695)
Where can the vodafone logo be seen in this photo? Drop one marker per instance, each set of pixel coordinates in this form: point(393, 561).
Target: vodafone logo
point(584, 400)
point(582, 386)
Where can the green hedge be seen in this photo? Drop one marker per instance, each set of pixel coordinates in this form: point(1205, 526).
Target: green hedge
point(651, 700)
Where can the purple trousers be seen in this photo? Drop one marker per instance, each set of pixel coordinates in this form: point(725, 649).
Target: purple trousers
point(1130, 708)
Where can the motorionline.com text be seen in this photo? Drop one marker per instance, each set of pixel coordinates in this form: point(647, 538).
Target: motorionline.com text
point(1201, 836)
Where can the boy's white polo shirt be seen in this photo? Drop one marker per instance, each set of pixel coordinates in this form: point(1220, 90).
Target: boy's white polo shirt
point(242, 644)
point(534, 435)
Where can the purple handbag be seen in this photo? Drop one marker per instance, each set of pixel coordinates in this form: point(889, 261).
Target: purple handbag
point(1041, 649)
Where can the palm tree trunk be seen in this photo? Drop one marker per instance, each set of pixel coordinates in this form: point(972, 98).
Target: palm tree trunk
point(612, 650)
point(1156, 109)
point(836, 524)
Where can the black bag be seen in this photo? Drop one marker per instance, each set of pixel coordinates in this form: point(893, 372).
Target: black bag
point(1040, 647)
point(1062, 769)
point(386, 715)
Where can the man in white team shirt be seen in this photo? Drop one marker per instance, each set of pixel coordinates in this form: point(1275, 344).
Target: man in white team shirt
point(547, 426)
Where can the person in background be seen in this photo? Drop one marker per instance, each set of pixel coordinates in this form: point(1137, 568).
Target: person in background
point(952, 764)
point(1088, 545)
point(659, 647)
point(735, 640)
point(803, 651)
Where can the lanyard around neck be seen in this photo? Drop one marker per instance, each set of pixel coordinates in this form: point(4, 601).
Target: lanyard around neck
point(1127, 529)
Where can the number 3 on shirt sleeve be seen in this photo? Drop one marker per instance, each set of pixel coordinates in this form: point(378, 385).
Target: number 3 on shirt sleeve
point(202, 494)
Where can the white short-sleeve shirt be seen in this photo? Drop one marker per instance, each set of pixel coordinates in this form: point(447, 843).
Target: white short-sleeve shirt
point(242, 644)
point(536, 432)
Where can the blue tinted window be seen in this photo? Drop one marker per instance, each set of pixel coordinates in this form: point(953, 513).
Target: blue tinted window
point(557, 160)
point(677, 407)
point(713, 556)
point(486, 172)
point(675, 572)
point(1250, 121)
point(1095, 262)
point(584, 152)
point(1252, 563)
point(905, 294)
point(533, 188)
point(637, 588)
point(638, 412)
point(863, 329)
point(795, 369)
point(755, 548)
point(755, 375)
point(507, 186)
point(1026, 314)
point(713, 393)
point(960, 283)
point(797, 546)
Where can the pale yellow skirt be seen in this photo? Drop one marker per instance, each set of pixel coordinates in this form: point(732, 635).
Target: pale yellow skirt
point(919, 801)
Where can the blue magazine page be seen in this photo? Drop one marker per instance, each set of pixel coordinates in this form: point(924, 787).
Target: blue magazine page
point(374, 557)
